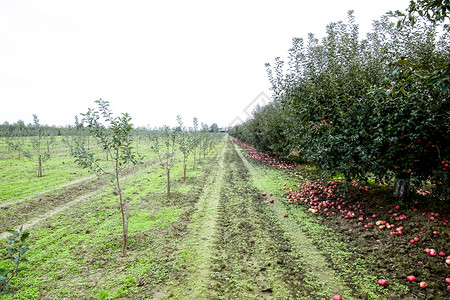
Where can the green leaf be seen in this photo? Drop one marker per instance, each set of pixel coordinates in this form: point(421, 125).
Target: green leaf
point(11, 250)
point(24, 250)
point(6, 292)
point(24, 236)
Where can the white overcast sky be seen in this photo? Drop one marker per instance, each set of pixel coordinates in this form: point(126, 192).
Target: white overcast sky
point(153, 59)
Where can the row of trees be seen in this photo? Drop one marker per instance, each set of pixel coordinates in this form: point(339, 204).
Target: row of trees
point(377, 106)
point(36, 141)
point(115, 136)
point(33, 141)
point(109, 145)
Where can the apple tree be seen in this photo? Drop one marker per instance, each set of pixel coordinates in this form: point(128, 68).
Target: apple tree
point(114, 134)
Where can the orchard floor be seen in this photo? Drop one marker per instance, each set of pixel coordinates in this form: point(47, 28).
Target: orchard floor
point(219, 237)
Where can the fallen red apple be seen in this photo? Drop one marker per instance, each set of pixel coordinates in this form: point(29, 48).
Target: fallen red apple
point(382, 282)
point(423, 284)
point(337, 297)
point(441, 254)
point(447, 280)
point(264, 194)
point(416, 239)
point(271, 200)
point(285, 215)
point(427, 251)
point(435, 232)
point(411, 278)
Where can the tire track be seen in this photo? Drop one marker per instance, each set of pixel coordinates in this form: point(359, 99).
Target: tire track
point(309, 256)
point(254, 259)
point(197, 249)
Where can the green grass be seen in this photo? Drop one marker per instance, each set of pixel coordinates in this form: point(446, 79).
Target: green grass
point(76, 253)
point(18, 177)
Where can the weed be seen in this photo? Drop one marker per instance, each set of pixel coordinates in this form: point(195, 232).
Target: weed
point(15, 253)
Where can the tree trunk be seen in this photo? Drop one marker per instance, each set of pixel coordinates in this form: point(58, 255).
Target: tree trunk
point(40, 166)
point(185, 166)
point(193, 168)
point(402, 186)
point(168, 183)
point(124, 218)
point(127, 217)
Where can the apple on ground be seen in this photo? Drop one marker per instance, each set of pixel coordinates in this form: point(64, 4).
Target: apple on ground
point(423, 284)
point(337, 297)
point(382, 282)
point(411, 278)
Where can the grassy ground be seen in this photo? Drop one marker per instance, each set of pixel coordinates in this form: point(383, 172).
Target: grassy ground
point(217, 237)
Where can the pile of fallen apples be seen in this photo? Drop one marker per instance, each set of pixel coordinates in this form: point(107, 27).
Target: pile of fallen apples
point(328, 200)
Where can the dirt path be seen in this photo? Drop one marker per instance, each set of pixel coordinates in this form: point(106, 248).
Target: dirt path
point(238, 247)
point(196, 251)
point(311, 257)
